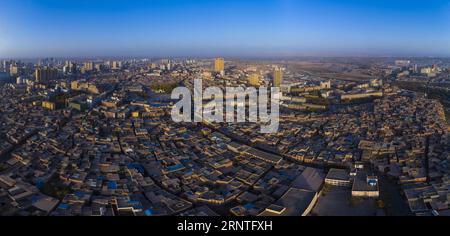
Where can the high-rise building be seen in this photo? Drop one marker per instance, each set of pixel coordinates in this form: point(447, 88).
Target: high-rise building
point(88, 66)
point(415, 68)
point(116, 65)
point(219, 65)
point(277, 77)
point(325, 85)
point(74, 85)
point(44, 74)
point(253, 79)
point(19, 80)
point(13, 70)
point(6, 66)
point(426, 70)
point(66, 69)
point(435, 68)
point(69, 67)
point(99, 67)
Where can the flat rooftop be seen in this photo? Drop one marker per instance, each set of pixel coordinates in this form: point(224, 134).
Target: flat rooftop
point(338, 174)
point(360, 183)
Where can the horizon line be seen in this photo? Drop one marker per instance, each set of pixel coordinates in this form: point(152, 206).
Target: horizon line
point(279, 57)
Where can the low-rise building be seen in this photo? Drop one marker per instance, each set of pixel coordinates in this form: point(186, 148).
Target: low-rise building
point(338, 177)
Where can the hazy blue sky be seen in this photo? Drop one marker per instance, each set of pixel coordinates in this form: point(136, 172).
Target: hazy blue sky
point(37, 28)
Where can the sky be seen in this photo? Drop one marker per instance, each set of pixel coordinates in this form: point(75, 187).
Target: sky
point(229, 28)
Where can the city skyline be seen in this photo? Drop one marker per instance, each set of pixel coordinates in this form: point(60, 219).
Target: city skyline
point(47, 28)
point(224, 108)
